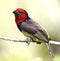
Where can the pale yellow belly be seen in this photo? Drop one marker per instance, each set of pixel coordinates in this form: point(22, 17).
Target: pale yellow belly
point(34, 39)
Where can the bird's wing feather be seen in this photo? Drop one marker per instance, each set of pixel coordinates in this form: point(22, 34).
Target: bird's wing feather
point(35, 29)
point(42, 31)
point(28, 27)
point(40, 36)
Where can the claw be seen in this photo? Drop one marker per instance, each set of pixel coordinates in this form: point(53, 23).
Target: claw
point(28, 40)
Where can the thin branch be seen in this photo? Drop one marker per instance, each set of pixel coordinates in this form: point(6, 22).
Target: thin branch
point(16, 40)
point(26, 40)
point(11, 39)
point(54, 42)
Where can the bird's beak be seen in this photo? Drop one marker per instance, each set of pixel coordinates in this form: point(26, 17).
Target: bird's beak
point(16, 12)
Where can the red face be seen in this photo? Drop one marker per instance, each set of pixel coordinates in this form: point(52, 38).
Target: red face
point(20, 15)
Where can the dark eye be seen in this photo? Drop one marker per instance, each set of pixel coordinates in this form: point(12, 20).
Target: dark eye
point(20, 13)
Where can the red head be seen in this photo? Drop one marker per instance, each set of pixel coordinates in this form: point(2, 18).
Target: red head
point(20, 15)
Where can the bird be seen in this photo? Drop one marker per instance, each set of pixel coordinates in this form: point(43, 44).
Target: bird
point(32, 29)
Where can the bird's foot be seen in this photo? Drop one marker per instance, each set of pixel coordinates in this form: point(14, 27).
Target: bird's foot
point(28, 40)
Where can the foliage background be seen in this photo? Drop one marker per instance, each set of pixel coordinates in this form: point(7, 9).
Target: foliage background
point(45, 12)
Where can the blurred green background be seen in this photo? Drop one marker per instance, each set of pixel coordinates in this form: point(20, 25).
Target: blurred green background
point(45, 12)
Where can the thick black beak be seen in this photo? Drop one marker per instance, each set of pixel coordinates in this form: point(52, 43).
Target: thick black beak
point(16, 12)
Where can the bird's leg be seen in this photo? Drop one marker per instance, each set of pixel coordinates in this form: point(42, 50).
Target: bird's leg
point(28, 40)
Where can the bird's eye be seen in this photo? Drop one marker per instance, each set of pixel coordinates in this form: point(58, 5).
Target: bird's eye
point(20, 13)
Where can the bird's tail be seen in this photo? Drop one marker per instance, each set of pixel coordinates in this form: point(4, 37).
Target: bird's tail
point(50, 49)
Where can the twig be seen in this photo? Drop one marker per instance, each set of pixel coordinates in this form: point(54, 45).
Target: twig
point(54, 42)
point(11, 39)
point(17, 40)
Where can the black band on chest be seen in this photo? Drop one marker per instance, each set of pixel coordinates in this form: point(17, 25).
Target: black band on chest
point(19, 26)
